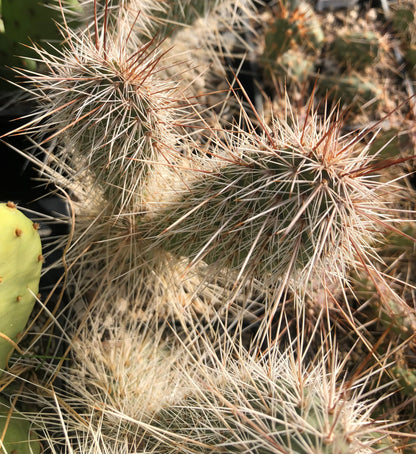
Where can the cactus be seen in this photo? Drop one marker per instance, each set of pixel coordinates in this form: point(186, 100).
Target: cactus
point(134, 371)
point(275, 208)
point(20, 266)
point(406, 379)
point(25, 22)
point(295, 66)
point(16, 434)
point(111, 108)
point(390, 143)
point(268, 406)
point(287, 202)
point(292, 28)
point(402, 20)
point(356, 50)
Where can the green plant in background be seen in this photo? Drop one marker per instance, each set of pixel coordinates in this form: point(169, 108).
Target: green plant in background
point(24, 22)
point(291, 28)
point(298, 27)
point(350, 90)
point(356, 50)
point(403, 23)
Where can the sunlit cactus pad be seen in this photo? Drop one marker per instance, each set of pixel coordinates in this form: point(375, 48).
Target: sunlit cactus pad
point(20, 267)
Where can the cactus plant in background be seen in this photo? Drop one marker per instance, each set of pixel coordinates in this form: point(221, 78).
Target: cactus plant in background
point(20, 266)
point(291, 28)
point(351, 90)
point(295, 67)
point(25, 22)
point(299, 26)
point(356, 50)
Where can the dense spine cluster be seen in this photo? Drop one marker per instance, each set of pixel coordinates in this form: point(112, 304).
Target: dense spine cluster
point(275, 207)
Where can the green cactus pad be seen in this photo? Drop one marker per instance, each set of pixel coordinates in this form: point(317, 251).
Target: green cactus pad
point(25, 21)
point(20, 266)
point(18, 436)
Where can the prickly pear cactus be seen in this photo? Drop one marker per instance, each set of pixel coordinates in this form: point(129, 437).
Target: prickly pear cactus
point(20, 266)
point(17, 438)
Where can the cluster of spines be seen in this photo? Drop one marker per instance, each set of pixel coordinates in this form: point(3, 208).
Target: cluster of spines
point(273, 207)
point(224, 401)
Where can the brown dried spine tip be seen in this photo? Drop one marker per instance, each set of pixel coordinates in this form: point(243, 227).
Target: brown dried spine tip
point(18, 232)
point(11, 204)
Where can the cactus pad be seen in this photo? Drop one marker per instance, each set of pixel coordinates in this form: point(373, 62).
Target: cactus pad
point(17, 436)
point(20, 266)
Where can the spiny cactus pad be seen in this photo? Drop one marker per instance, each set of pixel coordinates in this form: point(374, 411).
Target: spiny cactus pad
point(281, 206)
point(20, 266)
